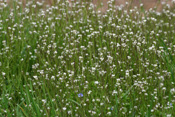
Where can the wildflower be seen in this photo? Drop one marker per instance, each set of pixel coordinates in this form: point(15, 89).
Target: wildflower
point(64, 108)
point(127, 72)
point(172, 91)
point(110, 59)
point(80, 95)
point(89, 92)
point(96, 82)
point(69, 112)
point(35, 77)
point(169, 115)
point(109, 113)
point(3, 73)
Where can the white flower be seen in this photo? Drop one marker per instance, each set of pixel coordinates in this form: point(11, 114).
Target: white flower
point(96, 82)
point(36, 77)
point(44, 101)
point(169, 115)
point(127, 73)
point(53, 77)
point(3, 73)
point(93, 68)
point(109, 113)
point(69, 112)
point(110, 59)
point(129, 57)
point(64, 108)
point(89, 92)
point(172, 91)
point(114, 92)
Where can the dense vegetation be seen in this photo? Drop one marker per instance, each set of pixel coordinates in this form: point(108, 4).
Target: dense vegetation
point(69, 60)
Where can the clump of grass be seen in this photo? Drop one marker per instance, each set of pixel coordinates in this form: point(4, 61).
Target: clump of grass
point(67, 60)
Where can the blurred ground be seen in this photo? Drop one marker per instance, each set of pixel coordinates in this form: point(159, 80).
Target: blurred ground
point(147, 4)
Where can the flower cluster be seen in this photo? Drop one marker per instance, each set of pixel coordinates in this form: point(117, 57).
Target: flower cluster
point(69, 60)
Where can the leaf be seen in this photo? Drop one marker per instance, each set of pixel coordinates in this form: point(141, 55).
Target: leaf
point(124, 94)
point(23, 111)
point(75, 102)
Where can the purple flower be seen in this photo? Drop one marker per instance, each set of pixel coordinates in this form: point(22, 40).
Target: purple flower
point(80, 95)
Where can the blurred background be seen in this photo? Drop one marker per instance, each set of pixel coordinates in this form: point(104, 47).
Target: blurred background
point(102, 5)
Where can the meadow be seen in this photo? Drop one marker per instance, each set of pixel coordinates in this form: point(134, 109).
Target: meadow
point(71, 60)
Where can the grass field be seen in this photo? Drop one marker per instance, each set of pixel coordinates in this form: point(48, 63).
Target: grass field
point(62, 61)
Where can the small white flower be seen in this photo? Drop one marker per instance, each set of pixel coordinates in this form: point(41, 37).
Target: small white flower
point(114, 92)
point(129, 57)
point(64, 108)
point(89, 92)
point(109, 113)
point(69, 112)
point(36, 77)
point(127, 73)
point(44, 101)
point(172, 91)
point(93, 68)
point(53, 77)
point(110, 59)
point(96, 82)
point(169, 115)
point(3, 73)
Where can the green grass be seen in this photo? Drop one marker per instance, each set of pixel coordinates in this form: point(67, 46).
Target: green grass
point(74, 61)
